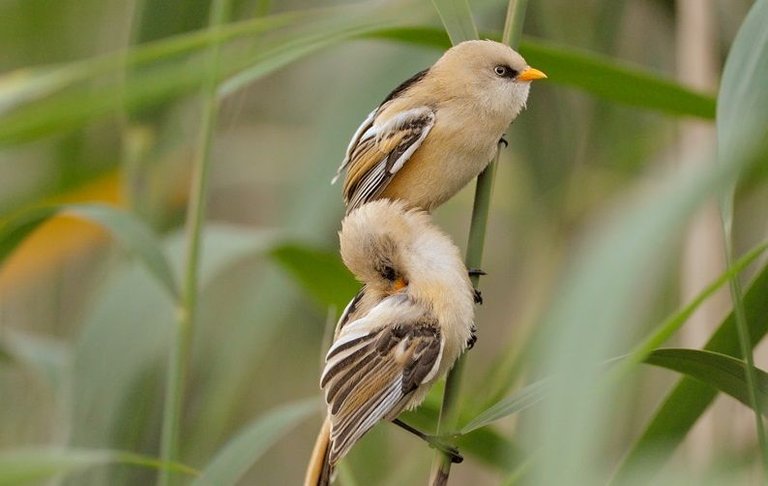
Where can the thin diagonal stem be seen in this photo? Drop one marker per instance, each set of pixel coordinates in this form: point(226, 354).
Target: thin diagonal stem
point(449, 412)
point(187, 307)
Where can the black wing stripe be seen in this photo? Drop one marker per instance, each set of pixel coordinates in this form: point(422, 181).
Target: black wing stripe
point(422, 362)
point(355, 425)
point(400, 150)
point(405, 85)
point(344, 362)
point(413, 127)
point(341, 369)
point(341, 374)
point(369, 187)
point(359, 383)
point(338, 349)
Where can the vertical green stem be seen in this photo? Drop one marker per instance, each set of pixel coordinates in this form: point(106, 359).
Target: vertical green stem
point(745, 340)
point(449, 412)
point(187, 306)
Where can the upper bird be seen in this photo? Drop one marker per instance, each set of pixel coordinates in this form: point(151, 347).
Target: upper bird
point(404, 330)
point(439, 129)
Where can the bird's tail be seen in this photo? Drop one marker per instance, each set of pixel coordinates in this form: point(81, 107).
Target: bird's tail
point(319, 469)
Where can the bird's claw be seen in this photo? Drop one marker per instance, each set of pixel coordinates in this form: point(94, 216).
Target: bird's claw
point(472, 337)
point(504, 141)
point(453, 453)
point(478, 296)
point(475, 272)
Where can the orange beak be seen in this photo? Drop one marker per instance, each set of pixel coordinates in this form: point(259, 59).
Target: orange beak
point(531, 74)
point(399, 284)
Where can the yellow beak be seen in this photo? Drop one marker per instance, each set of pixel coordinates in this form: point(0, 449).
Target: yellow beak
point(399, 284)
point(531, 74)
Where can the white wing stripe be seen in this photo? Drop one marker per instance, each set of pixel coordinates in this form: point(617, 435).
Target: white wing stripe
point(407, 154)
point(407, 129)
point(355, 140)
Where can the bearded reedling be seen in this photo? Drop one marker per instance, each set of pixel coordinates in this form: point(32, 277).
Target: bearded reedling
point(402, 332)
point(439, 129)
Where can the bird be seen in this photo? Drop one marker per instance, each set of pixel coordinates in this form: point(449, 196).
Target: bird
point(439, 129)
point(403, 331)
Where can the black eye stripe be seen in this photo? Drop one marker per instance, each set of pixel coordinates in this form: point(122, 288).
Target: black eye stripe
point(504, 71)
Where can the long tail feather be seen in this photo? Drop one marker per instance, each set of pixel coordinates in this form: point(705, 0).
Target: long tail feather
point(319, 469)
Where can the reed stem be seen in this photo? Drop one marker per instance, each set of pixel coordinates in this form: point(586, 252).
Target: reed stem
point(449, 412)
point(178, 362)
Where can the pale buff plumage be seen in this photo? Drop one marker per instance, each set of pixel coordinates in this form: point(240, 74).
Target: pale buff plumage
point(404, 331)
point(439, 129)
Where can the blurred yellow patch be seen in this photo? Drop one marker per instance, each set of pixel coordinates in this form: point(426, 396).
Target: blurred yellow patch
point(61, 237)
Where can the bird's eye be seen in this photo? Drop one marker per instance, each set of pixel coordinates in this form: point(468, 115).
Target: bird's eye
point(504, 71)
point(389, 273)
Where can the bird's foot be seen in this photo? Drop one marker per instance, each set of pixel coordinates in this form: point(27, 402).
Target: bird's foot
point(475, 272)
point(472, 337)
point(504, 141)
point(478, 296)
point(450, 451)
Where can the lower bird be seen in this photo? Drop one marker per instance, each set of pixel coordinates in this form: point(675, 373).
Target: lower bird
point(406, 328)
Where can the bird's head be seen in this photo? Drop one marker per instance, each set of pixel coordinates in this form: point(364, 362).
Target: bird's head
point(490, 73)
point(391, 248)
point(374, 243)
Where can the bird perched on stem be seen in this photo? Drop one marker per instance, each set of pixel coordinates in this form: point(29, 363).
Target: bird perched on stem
point(439, 129)
point(404, 330)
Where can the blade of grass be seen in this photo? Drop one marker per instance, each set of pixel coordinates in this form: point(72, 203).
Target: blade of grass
point(72, 108)
point(655, 339)
point(457, 19)
point(237, 456)
point(291, 50)
point(131, 321)
point(591, 313)
point(27, 465)
point(714, 369)
point(179, 357)
point(722, 372)
point(674, 322)
point(590, 317)
point(521, 400)
point(706, 366)
point(742, 122)
point(690, 398)
point(25, 86)
point(27, 113)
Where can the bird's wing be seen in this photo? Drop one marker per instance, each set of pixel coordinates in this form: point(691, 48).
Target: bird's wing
point(370, 374)
point(378, 151)
point(349, 310)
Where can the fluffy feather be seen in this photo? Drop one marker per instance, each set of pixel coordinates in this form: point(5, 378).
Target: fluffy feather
point(392, 343)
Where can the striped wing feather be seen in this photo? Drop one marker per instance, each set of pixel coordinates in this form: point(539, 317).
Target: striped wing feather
point(377, 152)
point(371, 375)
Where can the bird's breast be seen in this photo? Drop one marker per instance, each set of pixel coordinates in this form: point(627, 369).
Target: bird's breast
point(453, 154)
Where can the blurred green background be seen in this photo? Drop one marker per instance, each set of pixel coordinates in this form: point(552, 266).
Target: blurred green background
point(85, 329)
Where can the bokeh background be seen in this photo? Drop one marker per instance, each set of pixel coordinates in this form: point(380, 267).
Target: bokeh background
point(85, 330)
